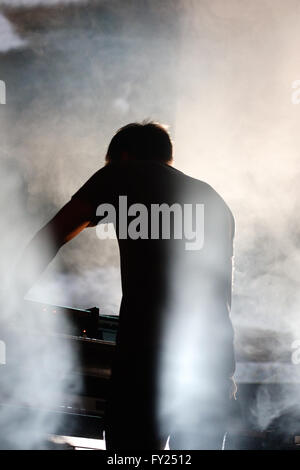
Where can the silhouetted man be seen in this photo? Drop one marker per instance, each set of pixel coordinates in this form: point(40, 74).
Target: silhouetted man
point(174, 362)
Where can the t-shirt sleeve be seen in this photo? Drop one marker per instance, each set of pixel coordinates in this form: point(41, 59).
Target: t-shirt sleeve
point(97, 190)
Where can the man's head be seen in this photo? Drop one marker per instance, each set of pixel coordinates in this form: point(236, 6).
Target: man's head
point(145, 141)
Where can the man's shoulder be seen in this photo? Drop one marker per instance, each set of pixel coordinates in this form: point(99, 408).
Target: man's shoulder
point(201, 186)
point(209, 195)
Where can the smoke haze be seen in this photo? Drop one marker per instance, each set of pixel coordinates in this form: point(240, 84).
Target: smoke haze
point(220, 74)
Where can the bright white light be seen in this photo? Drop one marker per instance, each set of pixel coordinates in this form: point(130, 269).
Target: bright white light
point(79, 443)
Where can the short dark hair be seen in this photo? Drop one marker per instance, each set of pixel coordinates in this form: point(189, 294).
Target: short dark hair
point(141, 141)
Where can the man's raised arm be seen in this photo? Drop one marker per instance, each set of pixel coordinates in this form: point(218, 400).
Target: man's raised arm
point(65, 225)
